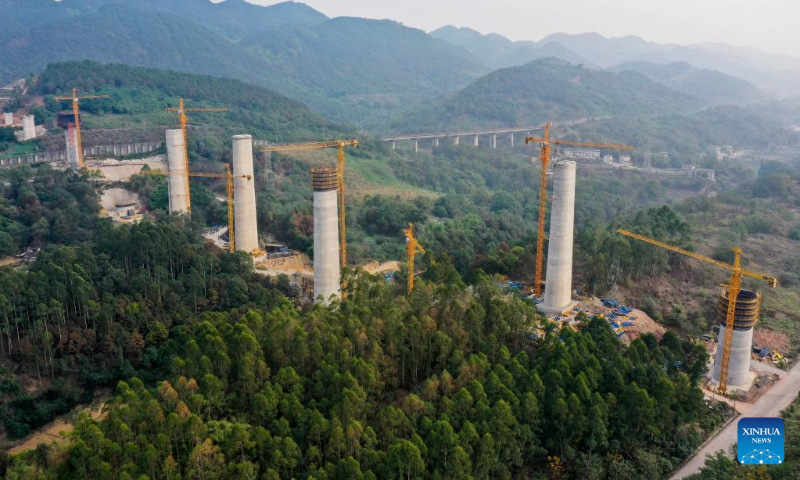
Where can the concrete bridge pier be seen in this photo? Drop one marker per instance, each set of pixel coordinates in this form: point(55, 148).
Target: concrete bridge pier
point(394, 145)
point(436, 142)
point(456, 140)
point(511, 139)
point(476, 139)
point(494, 141)
point(416, 145)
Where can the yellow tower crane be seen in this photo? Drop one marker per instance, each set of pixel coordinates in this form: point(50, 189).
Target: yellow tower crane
point(181, 111)
point(733, 288)
point(544, 157)
point(76, 111)
point(228, 175)
point(339, 144)
point(412, 248)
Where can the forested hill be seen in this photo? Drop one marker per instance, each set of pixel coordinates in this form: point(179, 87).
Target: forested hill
point(121, 34)
point(710, 86)
point(363, 66)
point(220, 375)
point(139, 96)
point(231, 18)
point(550, 89)
point(352, 70)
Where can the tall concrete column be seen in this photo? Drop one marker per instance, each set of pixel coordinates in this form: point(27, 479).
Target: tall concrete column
point(739, 362)
point(177, 179)
point(324, 182)
point(28, 128)
point(456, 140)
point(416, 145)
point(8, 118)
point(71, 137)
point(558, 286)
point(436, 142)
point(511, 139)
point(476, 140)
point(245, 226)
point(747, 312)
point(394, 145)
point(494, 140)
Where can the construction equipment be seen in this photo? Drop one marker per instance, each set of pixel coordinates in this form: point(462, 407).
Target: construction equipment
point(76, 112)
point(733, 288)
point(340, 144)
point(544, 157)
point(412, 248)
point(228, 175)
point(181, 111)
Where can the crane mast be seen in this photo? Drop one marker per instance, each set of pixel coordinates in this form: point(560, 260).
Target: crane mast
point(76, 113)
point(544, 158)
point(229, 176)
point(181, 111)
point(733, 288)
point(340, 145)
point(412, 248)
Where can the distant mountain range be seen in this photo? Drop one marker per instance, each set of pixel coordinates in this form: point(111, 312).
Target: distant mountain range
point(354, 70)
point(773, 73)
point(709, 86)
point(497, 51)
point(550, 89)
point(375, 73)
point(351, 68)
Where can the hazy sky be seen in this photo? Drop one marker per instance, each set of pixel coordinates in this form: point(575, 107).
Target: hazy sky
point(771, 25)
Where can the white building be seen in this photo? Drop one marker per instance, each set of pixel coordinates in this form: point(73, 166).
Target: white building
point(625, 159)
point(608, 159)
point(586, 153)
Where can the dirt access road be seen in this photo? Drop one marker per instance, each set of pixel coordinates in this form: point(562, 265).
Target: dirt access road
point(55, 431)
point(780, 396)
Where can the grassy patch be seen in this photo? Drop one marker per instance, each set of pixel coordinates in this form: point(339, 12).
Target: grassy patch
point(369, 176)
point(18, 149)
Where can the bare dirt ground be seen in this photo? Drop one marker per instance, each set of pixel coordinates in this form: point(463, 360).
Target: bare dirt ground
point(284, 265)
point(301, 264)
point(114, 196)
point(56, 431)
point(121, 171)
point(642, 323)
point(385, 267)
point(774, 340)
point(8, 261)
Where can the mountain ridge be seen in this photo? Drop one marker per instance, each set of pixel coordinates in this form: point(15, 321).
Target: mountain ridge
point(550, 89)
point(497, 51)
point(711, 86)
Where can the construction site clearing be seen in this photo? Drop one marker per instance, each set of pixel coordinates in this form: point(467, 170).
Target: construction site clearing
point(737, 309)
point(300, 268)
point(629, 324)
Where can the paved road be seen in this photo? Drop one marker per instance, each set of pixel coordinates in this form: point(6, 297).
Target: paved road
point(780, 396)
point(767, 367)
